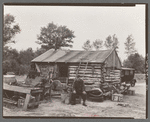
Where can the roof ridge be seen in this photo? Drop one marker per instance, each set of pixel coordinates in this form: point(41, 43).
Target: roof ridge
point(71, 55)
point(90, 50)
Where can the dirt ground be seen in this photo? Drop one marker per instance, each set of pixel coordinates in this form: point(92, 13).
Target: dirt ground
point(136, 107)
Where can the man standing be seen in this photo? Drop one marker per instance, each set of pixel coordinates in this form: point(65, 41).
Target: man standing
point(78, 89)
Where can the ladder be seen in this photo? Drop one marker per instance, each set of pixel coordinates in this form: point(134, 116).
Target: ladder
point(85, 69)
point(79, 67)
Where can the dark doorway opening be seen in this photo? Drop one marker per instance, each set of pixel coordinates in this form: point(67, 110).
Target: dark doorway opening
point(63, 70)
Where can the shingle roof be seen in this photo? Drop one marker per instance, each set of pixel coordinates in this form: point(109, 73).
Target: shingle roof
point(71, 56)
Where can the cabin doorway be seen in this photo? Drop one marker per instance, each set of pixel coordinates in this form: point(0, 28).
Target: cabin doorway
point(63, 70)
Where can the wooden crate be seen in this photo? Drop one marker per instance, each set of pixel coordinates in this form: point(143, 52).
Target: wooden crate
point(117, 97)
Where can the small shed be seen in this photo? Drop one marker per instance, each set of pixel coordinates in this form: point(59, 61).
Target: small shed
point(96, 66)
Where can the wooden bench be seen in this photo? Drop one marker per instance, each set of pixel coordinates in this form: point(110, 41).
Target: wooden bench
point(27, 91)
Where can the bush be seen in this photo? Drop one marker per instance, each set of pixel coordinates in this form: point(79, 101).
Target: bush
point(13, 66)
point(10, 66)
point(24, 69)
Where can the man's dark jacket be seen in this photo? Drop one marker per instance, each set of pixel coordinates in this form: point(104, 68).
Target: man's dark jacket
point(78, 85)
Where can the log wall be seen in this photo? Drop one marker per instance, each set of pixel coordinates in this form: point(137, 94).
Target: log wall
point(91, 74)
point(95, 72)
point(112, 75)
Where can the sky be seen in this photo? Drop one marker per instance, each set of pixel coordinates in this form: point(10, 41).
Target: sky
point(87, 22)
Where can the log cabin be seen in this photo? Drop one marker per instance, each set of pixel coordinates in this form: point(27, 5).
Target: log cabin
point(94, 67)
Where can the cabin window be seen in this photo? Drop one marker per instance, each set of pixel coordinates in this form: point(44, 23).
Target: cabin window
point(131, 72)
point(126, 72)
point(63, 71)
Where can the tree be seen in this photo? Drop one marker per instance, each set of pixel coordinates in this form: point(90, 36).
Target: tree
point(98, 44)
point(87, 46)
point(10, 60)
point(17, 62)
point(54, 36)
point(10, 56)
point(10, 29)
point(111, 42)
point(135, 61)
point(39, 51)
point(129, 45)
point(26, 56)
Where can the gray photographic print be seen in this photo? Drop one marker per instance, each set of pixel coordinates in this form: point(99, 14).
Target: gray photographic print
point(74, 61)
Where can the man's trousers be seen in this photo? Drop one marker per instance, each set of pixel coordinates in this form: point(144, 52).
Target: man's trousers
point(74, 95)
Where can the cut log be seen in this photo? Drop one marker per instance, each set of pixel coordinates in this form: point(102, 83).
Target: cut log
point(73, 66)
point(72, 75)
point(72, 69)
point(87, 81)
point(114, 77)
point(72, 72)
point(91, 78)
point(97, 70)
point(116, 71)
point(83, 69)
point(97, 67)
point(96, 75)
point(86, 75)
